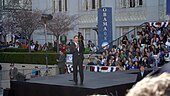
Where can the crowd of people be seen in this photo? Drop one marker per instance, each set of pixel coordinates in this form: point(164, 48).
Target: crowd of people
point(148, 49)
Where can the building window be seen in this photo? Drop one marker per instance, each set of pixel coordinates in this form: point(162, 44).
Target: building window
point(100, 3)
point(131, 3)
point(123, 3)
point(60, 5)
point(87, 4)
point(140, 2)
point(65, 5)
point(15, 2)
point(54, 6)
point(93, 4)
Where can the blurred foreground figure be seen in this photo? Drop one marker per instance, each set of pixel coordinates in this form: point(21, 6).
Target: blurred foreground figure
point(152, 86)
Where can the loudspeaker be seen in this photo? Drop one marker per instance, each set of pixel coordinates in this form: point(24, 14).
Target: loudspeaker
point(7, 92)
point(20, 77)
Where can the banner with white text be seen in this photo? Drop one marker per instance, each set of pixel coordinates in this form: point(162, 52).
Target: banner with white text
point(104, 27)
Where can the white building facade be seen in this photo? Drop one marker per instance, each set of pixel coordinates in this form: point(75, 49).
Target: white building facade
point(126, 15)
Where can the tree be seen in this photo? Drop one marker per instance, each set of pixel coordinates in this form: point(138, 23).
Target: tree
point(60, 24)
point(7, 26)
point(27, 21)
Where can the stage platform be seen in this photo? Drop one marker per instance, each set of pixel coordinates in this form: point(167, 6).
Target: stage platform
point(112, 84)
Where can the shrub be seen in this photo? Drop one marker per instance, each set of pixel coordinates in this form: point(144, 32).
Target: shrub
point(87, 51)
point(15, 50)
point(27, 58)
point(1, 50)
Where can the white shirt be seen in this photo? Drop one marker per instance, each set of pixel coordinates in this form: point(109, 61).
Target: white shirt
point(76, 45)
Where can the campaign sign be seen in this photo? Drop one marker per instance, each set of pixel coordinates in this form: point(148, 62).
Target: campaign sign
point(69, 58)
point(104, 26)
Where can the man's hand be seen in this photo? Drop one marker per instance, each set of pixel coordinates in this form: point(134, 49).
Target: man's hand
point(77, 46)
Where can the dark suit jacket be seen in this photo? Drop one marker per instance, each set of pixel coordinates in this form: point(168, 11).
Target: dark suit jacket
point(140, 77)
point(61, 61)
point(13, 73)
point(75, 52)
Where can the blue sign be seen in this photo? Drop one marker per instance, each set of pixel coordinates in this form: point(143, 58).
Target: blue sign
point(104, 26)
point(167, 7)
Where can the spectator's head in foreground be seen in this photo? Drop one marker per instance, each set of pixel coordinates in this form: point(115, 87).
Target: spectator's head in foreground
point(152, 86)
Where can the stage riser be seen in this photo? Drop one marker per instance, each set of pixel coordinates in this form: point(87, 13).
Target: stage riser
point(31, 89)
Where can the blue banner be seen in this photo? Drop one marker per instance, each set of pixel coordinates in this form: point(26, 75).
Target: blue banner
point(167, 7)
point(104, 26)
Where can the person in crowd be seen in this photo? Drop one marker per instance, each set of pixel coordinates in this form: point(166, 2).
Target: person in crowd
point(63, 49)
point(131, 39)
point(36, 46)
point(60, 47)
point(81, 38)
point(35, 72)
point(125, 40)
point(105, 63)
point(95, 61)
point(113, 51)
point(168, 44)
point(13, 72)
point(146, 39)
point(145, 61)
point(61, 63)
point(32, 47)
point(70, 42)
point(142, 73)
point(90, 62)
point(102, 59)
point(93, 48)
point(68, 45)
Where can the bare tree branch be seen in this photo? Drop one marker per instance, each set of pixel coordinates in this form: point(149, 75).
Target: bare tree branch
point(60, 24)
point(27, 21)
point(7, 25)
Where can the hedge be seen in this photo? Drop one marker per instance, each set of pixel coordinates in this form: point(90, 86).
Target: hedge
point(13, 50)
point(16, 50)
point(86, 51)
point(27, 58)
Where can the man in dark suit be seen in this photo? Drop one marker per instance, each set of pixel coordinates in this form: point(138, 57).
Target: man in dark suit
point(77, 50)
point(61, 63)
point(141, 74)
point(13, 72)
